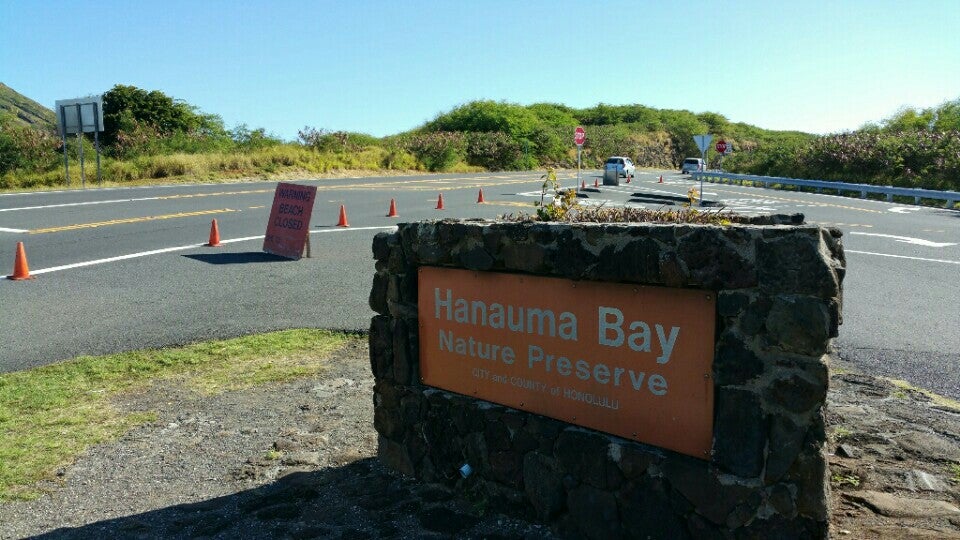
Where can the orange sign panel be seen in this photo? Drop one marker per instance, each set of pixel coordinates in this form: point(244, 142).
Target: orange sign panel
point(289, 222)
point(629, 360)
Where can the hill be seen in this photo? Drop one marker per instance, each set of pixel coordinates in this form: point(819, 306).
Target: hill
point(501, 135)
point(25, 110)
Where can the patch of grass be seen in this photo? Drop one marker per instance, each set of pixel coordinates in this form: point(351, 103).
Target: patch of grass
point(51, 414)
point(841, 432)
point(845, 479)
point(937, 399)
point(955, 472)
point(272, 455)
point(182, 167)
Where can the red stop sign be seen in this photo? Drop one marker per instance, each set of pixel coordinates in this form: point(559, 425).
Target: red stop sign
point(579, 136)
point(721, 146)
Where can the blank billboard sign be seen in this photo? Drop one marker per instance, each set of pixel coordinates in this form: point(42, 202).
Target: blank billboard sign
point(88, 117)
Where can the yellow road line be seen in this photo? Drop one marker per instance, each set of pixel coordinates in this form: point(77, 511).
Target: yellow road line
point(127, 220)
point(528, 205)
point(219, 193)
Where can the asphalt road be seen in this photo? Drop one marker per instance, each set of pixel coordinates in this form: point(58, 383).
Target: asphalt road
point(119, 269)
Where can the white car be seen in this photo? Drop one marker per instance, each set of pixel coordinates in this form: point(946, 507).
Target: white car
point(692, 164)
point(624, 164)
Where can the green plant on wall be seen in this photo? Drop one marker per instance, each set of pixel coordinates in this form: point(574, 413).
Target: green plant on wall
point(561, 203)
point(848, 479)
point(955, 471)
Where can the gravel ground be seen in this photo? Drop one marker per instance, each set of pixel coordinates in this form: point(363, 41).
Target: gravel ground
point(294, 460)
point(297, 460)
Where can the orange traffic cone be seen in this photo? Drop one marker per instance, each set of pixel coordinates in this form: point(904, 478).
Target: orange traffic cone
point(628, 178)
point(440, 202)
point(596, 183)
point(20, 268)
point(480, 199)
point(343, 217)
point(583, 184)
point(214, 235)
point(661, 179)
point(393, 209)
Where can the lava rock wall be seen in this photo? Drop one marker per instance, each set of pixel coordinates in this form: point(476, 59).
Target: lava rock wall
point(778, 309)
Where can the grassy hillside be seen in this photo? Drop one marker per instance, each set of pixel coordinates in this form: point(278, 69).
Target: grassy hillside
point(26, 111)
point(499, 135)
point(149, 135)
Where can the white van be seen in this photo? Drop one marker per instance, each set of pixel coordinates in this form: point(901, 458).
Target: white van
point(623, 164)
point(692, 164)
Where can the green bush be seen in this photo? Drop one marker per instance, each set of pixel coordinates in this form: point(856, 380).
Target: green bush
point(252, 139)
point(398, 159)
point(494, 151)
point(23, 147)
point(322, 140)
point(485, 117)
point(436, 151)
point(918, 158)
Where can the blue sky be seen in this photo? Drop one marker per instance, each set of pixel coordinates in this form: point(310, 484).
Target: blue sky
point(383, 67)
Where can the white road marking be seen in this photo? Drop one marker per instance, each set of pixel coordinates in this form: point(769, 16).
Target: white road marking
point(901, 210)
point(3, 229)
point(901, 256)
point(181, 248)
point(88, 203)
point(908, 240)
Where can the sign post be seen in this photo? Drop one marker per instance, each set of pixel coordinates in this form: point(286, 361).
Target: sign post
point(703, 142)
point(579, 137)
point(289, 226)
point(79, 116)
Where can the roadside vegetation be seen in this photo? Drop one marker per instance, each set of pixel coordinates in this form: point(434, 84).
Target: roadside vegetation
point(913, 148)
point(51, 414)
point(150, 136)
point(563, 205)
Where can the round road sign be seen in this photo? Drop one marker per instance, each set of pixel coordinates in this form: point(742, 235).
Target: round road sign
point(721, 146)
point(579, 136)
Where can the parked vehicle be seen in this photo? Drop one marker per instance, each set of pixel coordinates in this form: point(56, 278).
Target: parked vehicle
point(692, 164)
point(625, 166)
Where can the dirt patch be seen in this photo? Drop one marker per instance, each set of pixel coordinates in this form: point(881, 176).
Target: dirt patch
point(298, 460)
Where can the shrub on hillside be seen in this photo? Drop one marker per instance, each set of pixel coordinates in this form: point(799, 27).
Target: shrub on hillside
point(485, 117)
point(916, 158)
point(23, 147)
point(252, 139)
point(323, 140)
point(495, 151)
point(436, 151)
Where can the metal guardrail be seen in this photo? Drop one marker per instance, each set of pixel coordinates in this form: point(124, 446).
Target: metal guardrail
point(951, 197)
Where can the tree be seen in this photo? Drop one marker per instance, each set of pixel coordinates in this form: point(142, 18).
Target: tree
point(125, 108)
